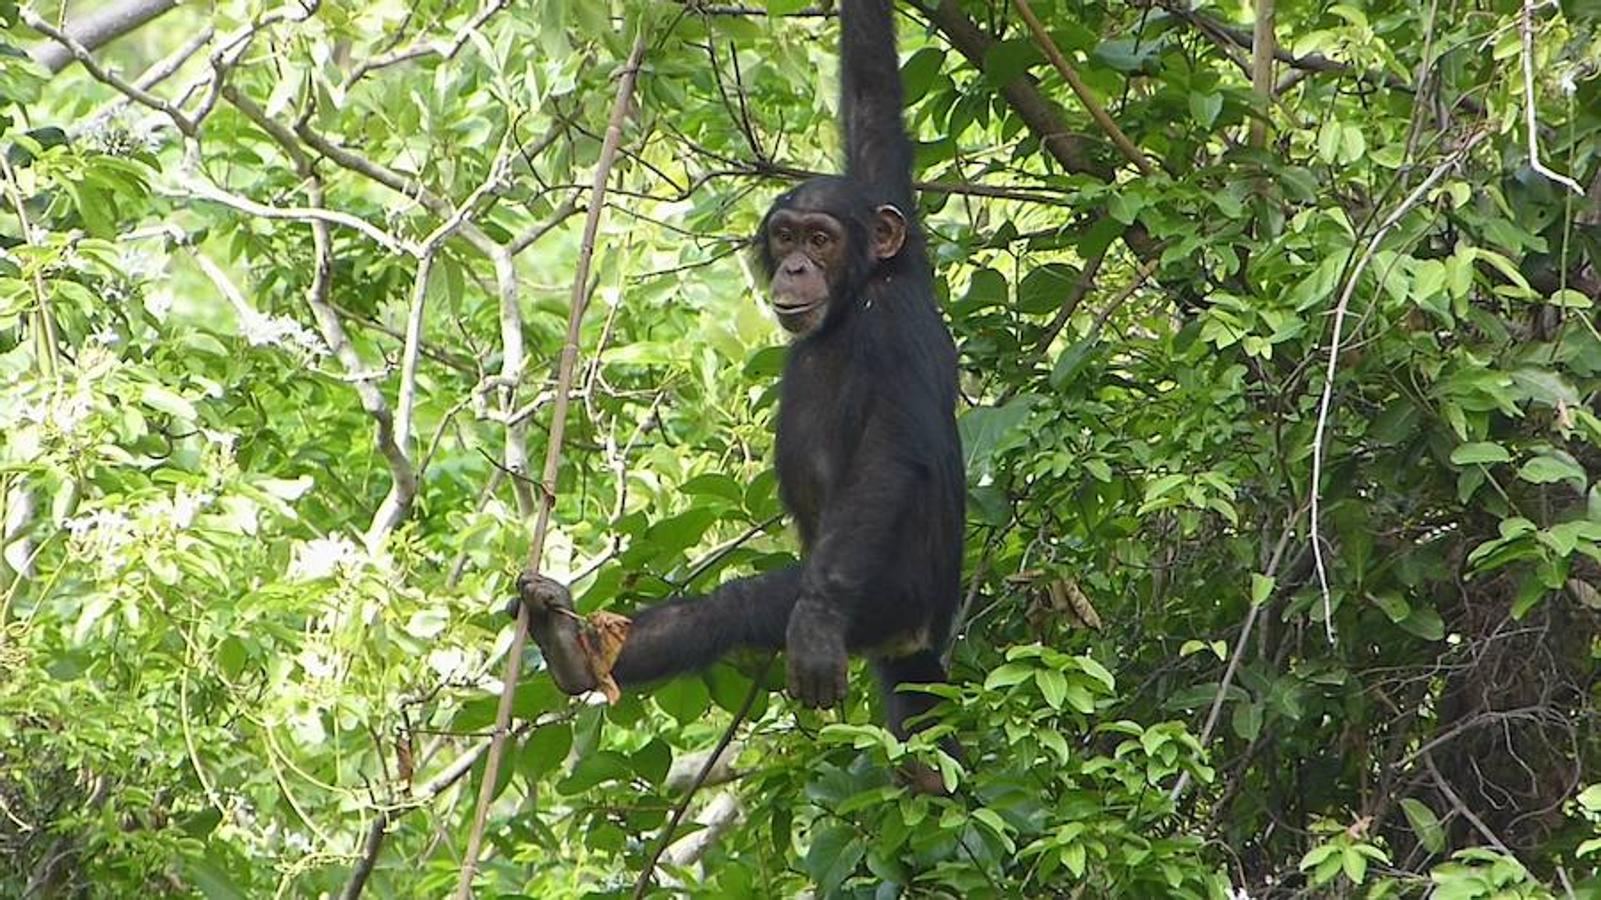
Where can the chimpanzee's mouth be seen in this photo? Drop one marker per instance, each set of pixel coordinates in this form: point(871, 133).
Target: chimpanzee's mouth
point(794, 309)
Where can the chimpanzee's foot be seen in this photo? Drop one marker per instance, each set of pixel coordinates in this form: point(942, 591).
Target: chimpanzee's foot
point(558, 630)
point(921, 777)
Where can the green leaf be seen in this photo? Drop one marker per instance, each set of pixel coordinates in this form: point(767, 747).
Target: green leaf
point(1553, 466)
point(685, 699)
point(1124, 207)
point(917, 76)
point(835, 851)
point(1425, 623)
point(715, 484)
point(1045, 287)
point(1009, 59)
point(1261, 588)
point(1205, 107)
point(1424, 824)
point(986, 429)
point(1071, 362)
point(160, 399)
point(1053, 686)
point(1089, 666)
point(1480, 453)
point(545, 749)
point(1007, 675)
point(1247, 720)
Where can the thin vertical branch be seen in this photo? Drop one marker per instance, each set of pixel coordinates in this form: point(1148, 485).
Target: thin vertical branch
point(1326, 400)
point(558, 425)
point(515, 454)
point(1526, 27)
point(1263, 46)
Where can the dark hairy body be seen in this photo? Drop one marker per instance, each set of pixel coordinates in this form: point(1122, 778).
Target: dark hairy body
point(868, 458)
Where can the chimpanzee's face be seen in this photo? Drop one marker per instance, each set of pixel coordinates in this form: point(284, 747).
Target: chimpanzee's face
point(808, 254)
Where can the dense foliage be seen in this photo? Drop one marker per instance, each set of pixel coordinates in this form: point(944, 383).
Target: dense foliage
point(1284, 549)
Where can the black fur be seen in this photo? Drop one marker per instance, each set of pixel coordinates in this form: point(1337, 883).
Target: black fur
point(869, 461)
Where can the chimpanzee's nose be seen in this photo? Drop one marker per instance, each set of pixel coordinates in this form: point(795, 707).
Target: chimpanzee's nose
point(797, 267)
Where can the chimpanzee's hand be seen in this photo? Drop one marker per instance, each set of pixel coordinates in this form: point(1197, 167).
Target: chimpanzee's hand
point(555, 627)
point(817, 660)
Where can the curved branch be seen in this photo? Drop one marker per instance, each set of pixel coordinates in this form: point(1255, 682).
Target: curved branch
point(99, 28)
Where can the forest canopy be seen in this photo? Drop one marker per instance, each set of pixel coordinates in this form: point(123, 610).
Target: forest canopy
point(1279, 370)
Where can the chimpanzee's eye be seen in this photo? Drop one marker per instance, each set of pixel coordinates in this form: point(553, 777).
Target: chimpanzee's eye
point(820, 239)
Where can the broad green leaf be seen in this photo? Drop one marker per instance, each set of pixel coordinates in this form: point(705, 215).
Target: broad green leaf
point(160, 399)
point(1424, 824)
point(1482, 452)
point(1553, 466)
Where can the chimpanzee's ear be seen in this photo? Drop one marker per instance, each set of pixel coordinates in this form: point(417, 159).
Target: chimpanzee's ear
point(889, 231)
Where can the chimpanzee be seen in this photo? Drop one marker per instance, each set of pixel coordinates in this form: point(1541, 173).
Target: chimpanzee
point(869, 462)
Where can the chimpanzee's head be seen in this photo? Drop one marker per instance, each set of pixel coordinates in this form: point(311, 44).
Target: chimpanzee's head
point(819, 244)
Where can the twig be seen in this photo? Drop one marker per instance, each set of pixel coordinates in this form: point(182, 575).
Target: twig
point(1481, 720)
point(1085, 96)
point(1326, 400)
point(158, 72)
point(197, 189)
point(435, 786)
point(756, 687)
point(1459, 806)
point(443, 49)
point(1233, 667)
point(1526, 26)
point(1075, 296)
point(558, 424)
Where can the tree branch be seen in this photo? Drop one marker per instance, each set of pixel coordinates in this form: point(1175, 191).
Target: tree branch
point(1264, 45)
point(98, 28)
point(1071, 151)
point(442, 49)
point(1085, 96)
point(76, 50)
point(756, 687)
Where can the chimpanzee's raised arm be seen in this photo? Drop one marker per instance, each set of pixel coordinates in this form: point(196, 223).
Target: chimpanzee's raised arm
point(878, 154)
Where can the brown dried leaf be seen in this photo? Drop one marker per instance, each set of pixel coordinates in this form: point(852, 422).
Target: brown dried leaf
point(602, 641)
point(1080, 604)
point(404, 758)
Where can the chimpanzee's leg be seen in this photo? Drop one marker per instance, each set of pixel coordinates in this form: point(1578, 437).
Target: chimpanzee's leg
point(670, 638)
point(691, 633)
point(922, 667)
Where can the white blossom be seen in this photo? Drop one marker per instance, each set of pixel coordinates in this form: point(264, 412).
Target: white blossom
point(158, 303)
point(102, 531)
point(184, 506)
point(322, 557)
point(263, 330)
point(223, 439)
point(316, 664)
